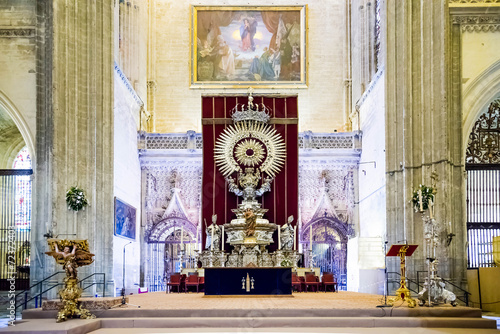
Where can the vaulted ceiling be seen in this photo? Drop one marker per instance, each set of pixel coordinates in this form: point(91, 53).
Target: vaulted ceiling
point(11, 140)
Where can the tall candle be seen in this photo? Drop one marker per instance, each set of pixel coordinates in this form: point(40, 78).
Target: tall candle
point(222, 244)
point(182, 237)
point(420, 202)
point(295, 238)
point(431, 209)
point(279, 237)
point(212, 239)
point(196, 240)
point(310, 237)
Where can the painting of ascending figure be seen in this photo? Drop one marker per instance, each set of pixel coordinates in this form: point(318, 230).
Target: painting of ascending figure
point(235, 46)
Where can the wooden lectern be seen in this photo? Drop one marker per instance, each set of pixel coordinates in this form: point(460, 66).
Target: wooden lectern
point(402, 293)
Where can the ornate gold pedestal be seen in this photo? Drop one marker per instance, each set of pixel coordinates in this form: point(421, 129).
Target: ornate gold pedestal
point(69, 296)
point(403, 293)
point(71, 254)
point(250, 241)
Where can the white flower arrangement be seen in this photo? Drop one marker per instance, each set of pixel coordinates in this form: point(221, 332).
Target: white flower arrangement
point(75, 198)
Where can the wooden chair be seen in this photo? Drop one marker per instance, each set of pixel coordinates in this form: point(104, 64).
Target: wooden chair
point(327, 280)
point(201, 283)
point(175, 281)
point(296, 282)
point(312, 281)
point(192, 280)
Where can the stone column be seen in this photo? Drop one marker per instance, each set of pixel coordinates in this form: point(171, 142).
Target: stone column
point(74, 129)
point(423, 140)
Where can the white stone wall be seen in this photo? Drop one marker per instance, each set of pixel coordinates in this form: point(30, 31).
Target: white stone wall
point(178, 108)
point(480, 72)
point(372, 163)
point(479, 52)
point(372, 191)
point(127, 182)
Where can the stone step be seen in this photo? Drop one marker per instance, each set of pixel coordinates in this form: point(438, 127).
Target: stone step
point(78, 326)
point(284, 322)
point(129, 312)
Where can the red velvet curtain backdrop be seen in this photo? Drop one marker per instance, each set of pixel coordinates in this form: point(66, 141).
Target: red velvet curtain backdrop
point(283, 199)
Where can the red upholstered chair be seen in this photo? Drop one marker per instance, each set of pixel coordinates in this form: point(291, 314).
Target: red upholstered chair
point(327, 280)
point(192, 280)
point(296, 282)
point(175, 281)
point(312, 281)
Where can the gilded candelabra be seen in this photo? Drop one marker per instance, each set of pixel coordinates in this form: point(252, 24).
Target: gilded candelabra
point(74, 254)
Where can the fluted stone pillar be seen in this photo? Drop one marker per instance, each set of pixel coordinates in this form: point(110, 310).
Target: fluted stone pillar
point(423, 136)
point(74, 130)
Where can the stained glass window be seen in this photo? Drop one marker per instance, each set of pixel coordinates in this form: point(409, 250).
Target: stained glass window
point(23, 191)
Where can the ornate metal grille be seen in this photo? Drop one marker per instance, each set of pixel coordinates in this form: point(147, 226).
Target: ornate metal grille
point(483, 146)
point(483, 187)
point(15, 228)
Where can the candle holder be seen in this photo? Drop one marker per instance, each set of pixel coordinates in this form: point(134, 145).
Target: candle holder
point(310, 259)
point(180, 256)
point(196, 259)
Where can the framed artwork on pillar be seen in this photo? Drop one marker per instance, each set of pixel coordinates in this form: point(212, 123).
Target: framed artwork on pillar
point(125, 220)
point(258, 46)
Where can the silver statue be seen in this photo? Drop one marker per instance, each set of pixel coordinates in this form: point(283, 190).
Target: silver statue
point(287, 235)
point(215, 243)
point(249, 180)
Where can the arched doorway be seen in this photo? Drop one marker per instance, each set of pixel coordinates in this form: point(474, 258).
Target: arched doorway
point(170, 246)
point(327, 236)
point(482, 164)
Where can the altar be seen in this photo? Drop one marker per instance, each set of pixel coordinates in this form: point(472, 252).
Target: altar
point(250, 155)
point(248, 281)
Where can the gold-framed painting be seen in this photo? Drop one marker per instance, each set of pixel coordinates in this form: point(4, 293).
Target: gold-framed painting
point(248, 46)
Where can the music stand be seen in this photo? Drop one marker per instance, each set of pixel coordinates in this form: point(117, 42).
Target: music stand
point(402, 293)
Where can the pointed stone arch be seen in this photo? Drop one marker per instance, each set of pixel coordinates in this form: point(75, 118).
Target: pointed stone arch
point(484, 89)
point(9, 107)
point(163, 243)
point(175, 216)
point(330, 235)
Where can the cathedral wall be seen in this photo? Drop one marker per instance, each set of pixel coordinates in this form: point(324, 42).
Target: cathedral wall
point(17, 66)
point(127, 182)
point(178, 108)
point(368, 265)
point(131, 40)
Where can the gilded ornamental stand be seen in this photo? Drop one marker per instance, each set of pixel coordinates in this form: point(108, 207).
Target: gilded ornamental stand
point(74, 254)
point(403, 293)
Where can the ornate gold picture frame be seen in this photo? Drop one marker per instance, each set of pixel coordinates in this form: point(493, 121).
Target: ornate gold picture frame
point(235, 47)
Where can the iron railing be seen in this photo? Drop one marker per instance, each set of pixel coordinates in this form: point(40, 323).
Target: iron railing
point(39, 296)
